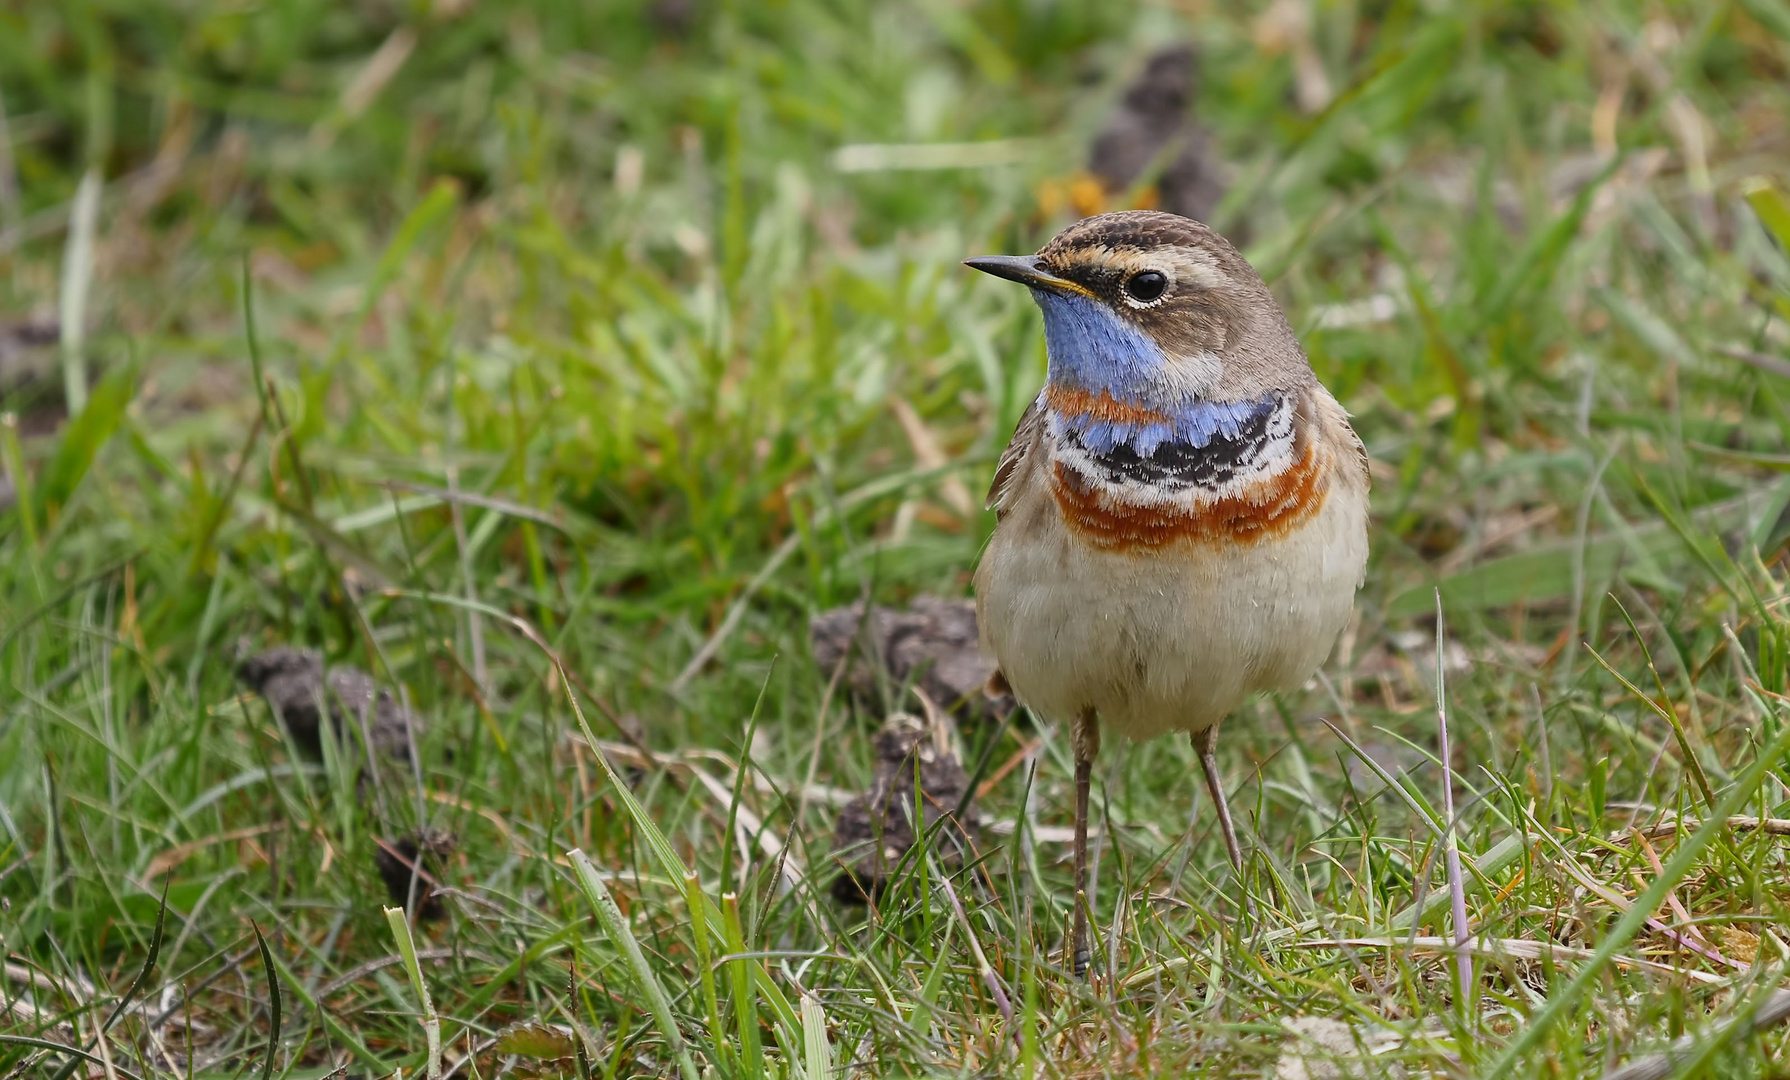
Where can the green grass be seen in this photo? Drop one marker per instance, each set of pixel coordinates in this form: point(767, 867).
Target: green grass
point(567, 332)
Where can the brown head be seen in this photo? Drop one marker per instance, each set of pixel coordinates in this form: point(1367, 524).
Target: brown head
point(1157, 308)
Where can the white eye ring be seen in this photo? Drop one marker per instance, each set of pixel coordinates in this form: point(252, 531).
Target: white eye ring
point(1147, 287)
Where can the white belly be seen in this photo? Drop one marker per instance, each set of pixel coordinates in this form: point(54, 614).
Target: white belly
point(1170, 639)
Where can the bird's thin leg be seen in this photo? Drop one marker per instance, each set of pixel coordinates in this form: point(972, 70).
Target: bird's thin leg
point(1086, 738)
point(1205, 743)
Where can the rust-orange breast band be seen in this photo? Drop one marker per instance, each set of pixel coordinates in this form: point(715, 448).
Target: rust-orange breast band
point(1073, 401)
point(1269, 508)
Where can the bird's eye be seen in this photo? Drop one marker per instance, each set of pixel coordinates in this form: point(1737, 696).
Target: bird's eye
point(1147, 286)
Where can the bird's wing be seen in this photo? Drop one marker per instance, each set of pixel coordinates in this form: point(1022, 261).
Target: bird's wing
point(1025, 437)
point(1335, 419)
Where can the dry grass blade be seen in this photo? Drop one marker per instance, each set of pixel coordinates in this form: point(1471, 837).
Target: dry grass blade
point(561, 368)
point(1507, 948)
point(1738, 823)
point(985, 970)
point(1745, 787)
point(1681, 1059)
point(361, 971)
point(59, 1048)
point(1451, 848)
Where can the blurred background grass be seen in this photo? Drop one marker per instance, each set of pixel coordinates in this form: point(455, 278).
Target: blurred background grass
point(642, 324)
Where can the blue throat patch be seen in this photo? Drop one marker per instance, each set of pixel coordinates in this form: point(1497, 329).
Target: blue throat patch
point(1094, 349)
point(1195, 425)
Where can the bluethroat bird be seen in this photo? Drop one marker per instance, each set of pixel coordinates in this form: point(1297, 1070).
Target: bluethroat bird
point(1181, 517)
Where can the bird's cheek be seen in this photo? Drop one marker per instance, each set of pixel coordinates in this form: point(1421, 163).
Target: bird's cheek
point(1207, 323)
point(1190, 376)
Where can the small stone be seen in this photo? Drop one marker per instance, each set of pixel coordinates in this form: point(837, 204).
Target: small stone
point(876, 829)
point(427, 851)
point(26, 350)
point(1323, 1048)
point(932, 644)
point(295, 686)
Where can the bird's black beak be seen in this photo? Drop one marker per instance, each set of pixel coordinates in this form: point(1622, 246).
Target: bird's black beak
point(1025, 269)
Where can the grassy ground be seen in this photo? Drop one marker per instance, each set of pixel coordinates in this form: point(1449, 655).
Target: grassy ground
point(570, 338)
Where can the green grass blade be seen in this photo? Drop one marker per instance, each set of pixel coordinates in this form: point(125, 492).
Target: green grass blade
point(1493, 862)
point(12, 456)
point(1772, 208)
point(63, 1048)
point(82, 438)
point(399, 923)
point(155, 950)
point(694, 903)
point(817, 1051)
point(668, 858)
point(273, 1002)
point(441, 199)
point(1546, 572)
point(1671, 873)
point(745, 999)
point(616, 926)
